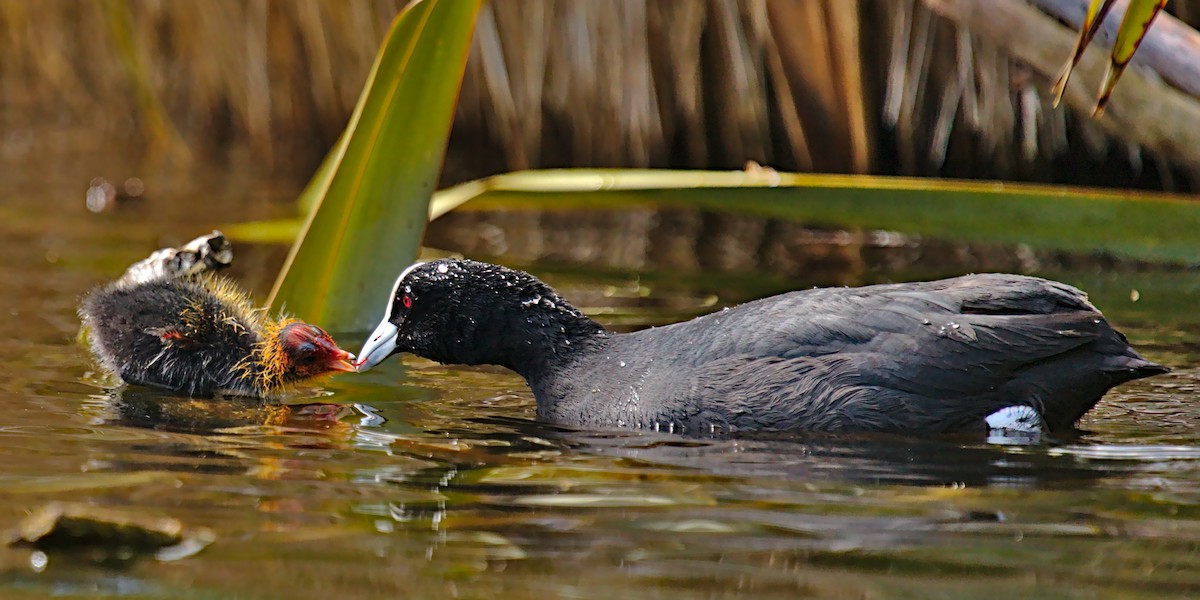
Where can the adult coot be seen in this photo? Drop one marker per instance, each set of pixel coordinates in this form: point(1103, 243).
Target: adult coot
point(941, 356)
point(169, 323)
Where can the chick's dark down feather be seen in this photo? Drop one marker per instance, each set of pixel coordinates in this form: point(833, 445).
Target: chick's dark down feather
point(194, 336)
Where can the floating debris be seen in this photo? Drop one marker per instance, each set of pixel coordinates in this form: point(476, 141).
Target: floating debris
point(207, 253)
point(104, 536)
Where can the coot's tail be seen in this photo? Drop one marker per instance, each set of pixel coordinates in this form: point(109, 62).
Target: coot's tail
point(1124, 363)
point(1140, 367)
point(1118, 363)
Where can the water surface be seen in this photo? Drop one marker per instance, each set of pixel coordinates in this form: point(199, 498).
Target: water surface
point(419, 480)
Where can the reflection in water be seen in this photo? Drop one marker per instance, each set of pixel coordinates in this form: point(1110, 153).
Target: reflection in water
point(136, 406)
point(864, 458)
point(416, 480)
point(222, 429)
point(152, 409)
point(711, 245)
point(452, 493)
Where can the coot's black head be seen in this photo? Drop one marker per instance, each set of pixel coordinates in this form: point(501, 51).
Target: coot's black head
point(469, 312)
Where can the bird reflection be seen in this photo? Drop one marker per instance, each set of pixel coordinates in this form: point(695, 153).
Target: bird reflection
point(853, 458)
point(151, 409)
point(216, 435)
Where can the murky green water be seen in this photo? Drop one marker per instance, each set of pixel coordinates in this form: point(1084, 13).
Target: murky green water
point(418, 480)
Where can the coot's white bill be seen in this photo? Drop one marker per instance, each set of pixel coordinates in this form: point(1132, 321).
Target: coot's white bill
point(379, 346)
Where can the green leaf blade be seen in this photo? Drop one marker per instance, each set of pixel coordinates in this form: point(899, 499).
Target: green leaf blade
point(371, 195)
point(1151, 227)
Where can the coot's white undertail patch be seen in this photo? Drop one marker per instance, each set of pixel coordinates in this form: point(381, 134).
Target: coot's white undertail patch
point(1014, 425)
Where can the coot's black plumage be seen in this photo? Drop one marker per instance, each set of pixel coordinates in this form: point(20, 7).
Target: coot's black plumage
point(937, 356)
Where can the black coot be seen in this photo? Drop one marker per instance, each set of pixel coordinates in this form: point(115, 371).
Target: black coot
point(941, 356)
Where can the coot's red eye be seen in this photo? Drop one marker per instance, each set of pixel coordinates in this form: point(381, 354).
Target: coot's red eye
point(407, 301)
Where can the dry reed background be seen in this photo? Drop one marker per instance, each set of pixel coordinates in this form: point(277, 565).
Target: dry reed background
point(827, 85)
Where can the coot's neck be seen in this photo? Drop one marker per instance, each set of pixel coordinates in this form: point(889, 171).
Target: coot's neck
point(532, 334)
point(540, 338)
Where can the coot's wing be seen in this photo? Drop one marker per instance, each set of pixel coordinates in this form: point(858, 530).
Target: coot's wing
point(825, 393)
point(1015, 294)
point(916, 357)
point(928, 381)
point(965, 353)
point(980, 315)
point(829, 320)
